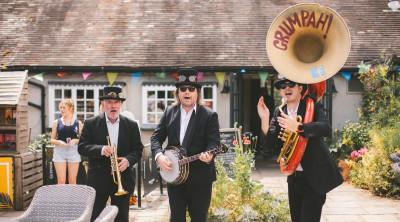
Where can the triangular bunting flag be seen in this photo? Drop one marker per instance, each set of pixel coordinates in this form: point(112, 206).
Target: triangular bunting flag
point(362, 67)
point(86, 75)
point(38, 76)
point(263, 77)
point(135, 77)
point(220, 77)
point(111, 77)
point(175, 75)
point(199, 76)
point(61, 74)
point(346, 75)
point(161, 75)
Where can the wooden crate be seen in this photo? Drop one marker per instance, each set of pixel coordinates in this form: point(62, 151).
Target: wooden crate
point(28, 177)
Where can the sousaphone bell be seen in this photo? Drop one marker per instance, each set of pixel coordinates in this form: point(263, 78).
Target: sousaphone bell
point(306, 43)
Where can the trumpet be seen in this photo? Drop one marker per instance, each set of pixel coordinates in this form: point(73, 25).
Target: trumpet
point(115, 170)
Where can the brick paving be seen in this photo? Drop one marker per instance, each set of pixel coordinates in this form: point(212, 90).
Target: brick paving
point(344, 204)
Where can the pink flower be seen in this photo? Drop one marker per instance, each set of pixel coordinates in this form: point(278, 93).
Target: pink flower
point(235, 142)
point(247, 142)
point(354, 153)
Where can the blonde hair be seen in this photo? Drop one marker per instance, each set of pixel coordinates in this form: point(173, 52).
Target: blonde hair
point(70, 103)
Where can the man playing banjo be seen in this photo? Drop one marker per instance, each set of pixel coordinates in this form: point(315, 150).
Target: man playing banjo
point(194, 128)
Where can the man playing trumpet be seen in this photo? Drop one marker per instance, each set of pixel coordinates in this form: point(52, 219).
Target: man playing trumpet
point(317, 172)
point(124, 134)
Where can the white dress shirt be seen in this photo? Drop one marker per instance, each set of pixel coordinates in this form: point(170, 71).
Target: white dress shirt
point(299, 167)
point(185, 118)
point(113, 132)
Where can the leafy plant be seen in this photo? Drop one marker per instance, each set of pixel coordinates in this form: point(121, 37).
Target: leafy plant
point(242, 198)
point(39, 140)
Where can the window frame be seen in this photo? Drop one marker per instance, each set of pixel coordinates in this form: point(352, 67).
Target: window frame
point(146, 87)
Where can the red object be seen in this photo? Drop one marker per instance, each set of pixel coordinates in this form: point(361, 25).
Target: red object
point(301, 144)
point(61, 74)
point(175, 74)
point(318, 89)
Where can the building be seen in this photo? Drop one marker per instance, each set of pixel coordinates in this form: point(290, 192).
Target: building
point(66, 40)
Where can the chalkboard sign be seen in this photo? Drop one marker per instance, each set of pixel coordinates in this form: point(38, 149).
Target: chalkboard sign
point(228, 136)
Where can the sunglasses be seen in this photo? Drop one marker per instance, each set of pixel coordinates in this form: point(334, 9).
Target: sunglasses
point(183, 88)
point(284, 85)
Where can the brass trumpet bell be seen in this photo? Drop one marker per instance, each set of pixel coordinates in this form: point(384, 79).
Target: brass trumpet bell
point(308, 43)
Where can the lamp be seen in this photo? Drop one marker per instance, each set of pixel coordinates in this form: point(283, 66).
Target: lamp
point(394, 5)
point(226, 87)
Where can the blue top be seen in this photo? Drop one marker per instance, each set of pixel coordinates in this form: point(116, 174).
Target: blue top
point(65, 132)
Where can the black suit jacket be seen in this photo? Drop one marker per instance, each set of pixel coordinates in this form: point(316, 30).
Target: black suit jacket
point(319, 167)
point(204, 136)
point(94, 137)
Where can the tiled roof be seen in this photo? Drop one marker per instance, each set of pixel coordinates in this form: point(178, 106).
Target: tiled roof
point(142, 33)
point(11, 85)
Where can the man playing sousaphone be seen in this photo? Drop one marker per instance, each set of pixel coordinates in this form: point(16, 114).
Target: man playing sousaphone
point(317, 172)
point(100, 136)
point(188, 124)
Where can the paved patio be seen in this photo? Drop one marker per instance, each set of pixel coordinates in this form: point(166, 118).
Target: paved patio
point(345, 203)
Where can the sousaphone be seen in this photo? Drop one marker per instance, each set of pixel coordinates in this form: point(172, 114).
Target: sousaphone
point(306, 43)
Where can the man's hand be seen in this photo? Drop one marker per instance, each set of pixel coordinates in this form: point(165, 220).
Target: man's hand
point(165, 163)
point(262, 109)
point(288, 122)
point(206, 157)
point(108, 150)
point(123, 163)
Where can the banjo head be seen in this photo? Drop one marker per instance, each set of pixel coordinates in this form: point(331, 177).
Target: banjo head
point(170, 177)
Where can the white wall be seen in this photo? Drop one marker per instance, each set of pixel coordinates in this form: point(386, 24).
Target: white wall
point(345, 104)
point(133, 93)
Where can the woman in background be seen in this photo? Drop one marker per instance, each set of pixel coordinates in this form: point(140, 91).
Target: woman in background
point(65, 136)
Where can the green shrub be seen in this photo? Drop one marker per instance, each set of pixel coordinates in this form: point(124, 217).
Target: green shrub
point(39, 140)
point(242, 198)
point(353, 137)
point(374, 172)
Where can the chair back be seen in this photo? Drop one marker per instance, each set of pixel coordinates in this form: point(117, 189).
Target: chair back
point(108, 214)
point(61, 202)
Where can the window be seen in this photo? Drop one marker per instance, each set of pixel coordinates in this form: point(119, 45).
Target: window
point(85, 96)
point(354, 85)
point(157, 97)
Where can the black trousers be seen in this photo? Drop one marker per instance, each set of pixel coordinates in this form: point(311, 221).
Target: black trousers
point(122, 202)
point(305, 203)
point(195, 197)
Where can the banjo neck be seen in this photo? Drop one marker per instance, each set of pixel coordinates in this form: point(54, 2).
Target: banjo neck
point(192, 158)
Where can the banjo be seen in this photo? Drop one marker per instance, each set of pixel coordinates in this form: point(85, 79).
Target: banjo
point(180, 163)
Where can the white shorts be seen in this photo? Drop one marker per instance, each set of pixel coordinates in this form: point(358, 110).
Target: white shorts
point(66, 154)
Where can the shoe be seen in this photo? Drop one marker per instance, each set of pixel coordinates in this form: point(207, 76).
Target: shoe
point(395, 157)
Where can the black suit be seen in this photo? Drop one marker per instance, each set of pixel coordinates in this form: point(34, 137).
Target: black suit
point(93, 138)
point(320, 171)
point(196, 191)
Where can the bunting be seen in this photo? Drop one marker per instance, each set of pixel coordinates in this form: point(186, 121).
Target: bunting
point(263, 77)
point(200, 76)
point(161, 75)
point(61, 74)
point(111, 77)
point(85, 75)
point(346, 75)
point(175, 75)
point(38, 76)
point(220, 77)
point(362, 67)
point(135, 77)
